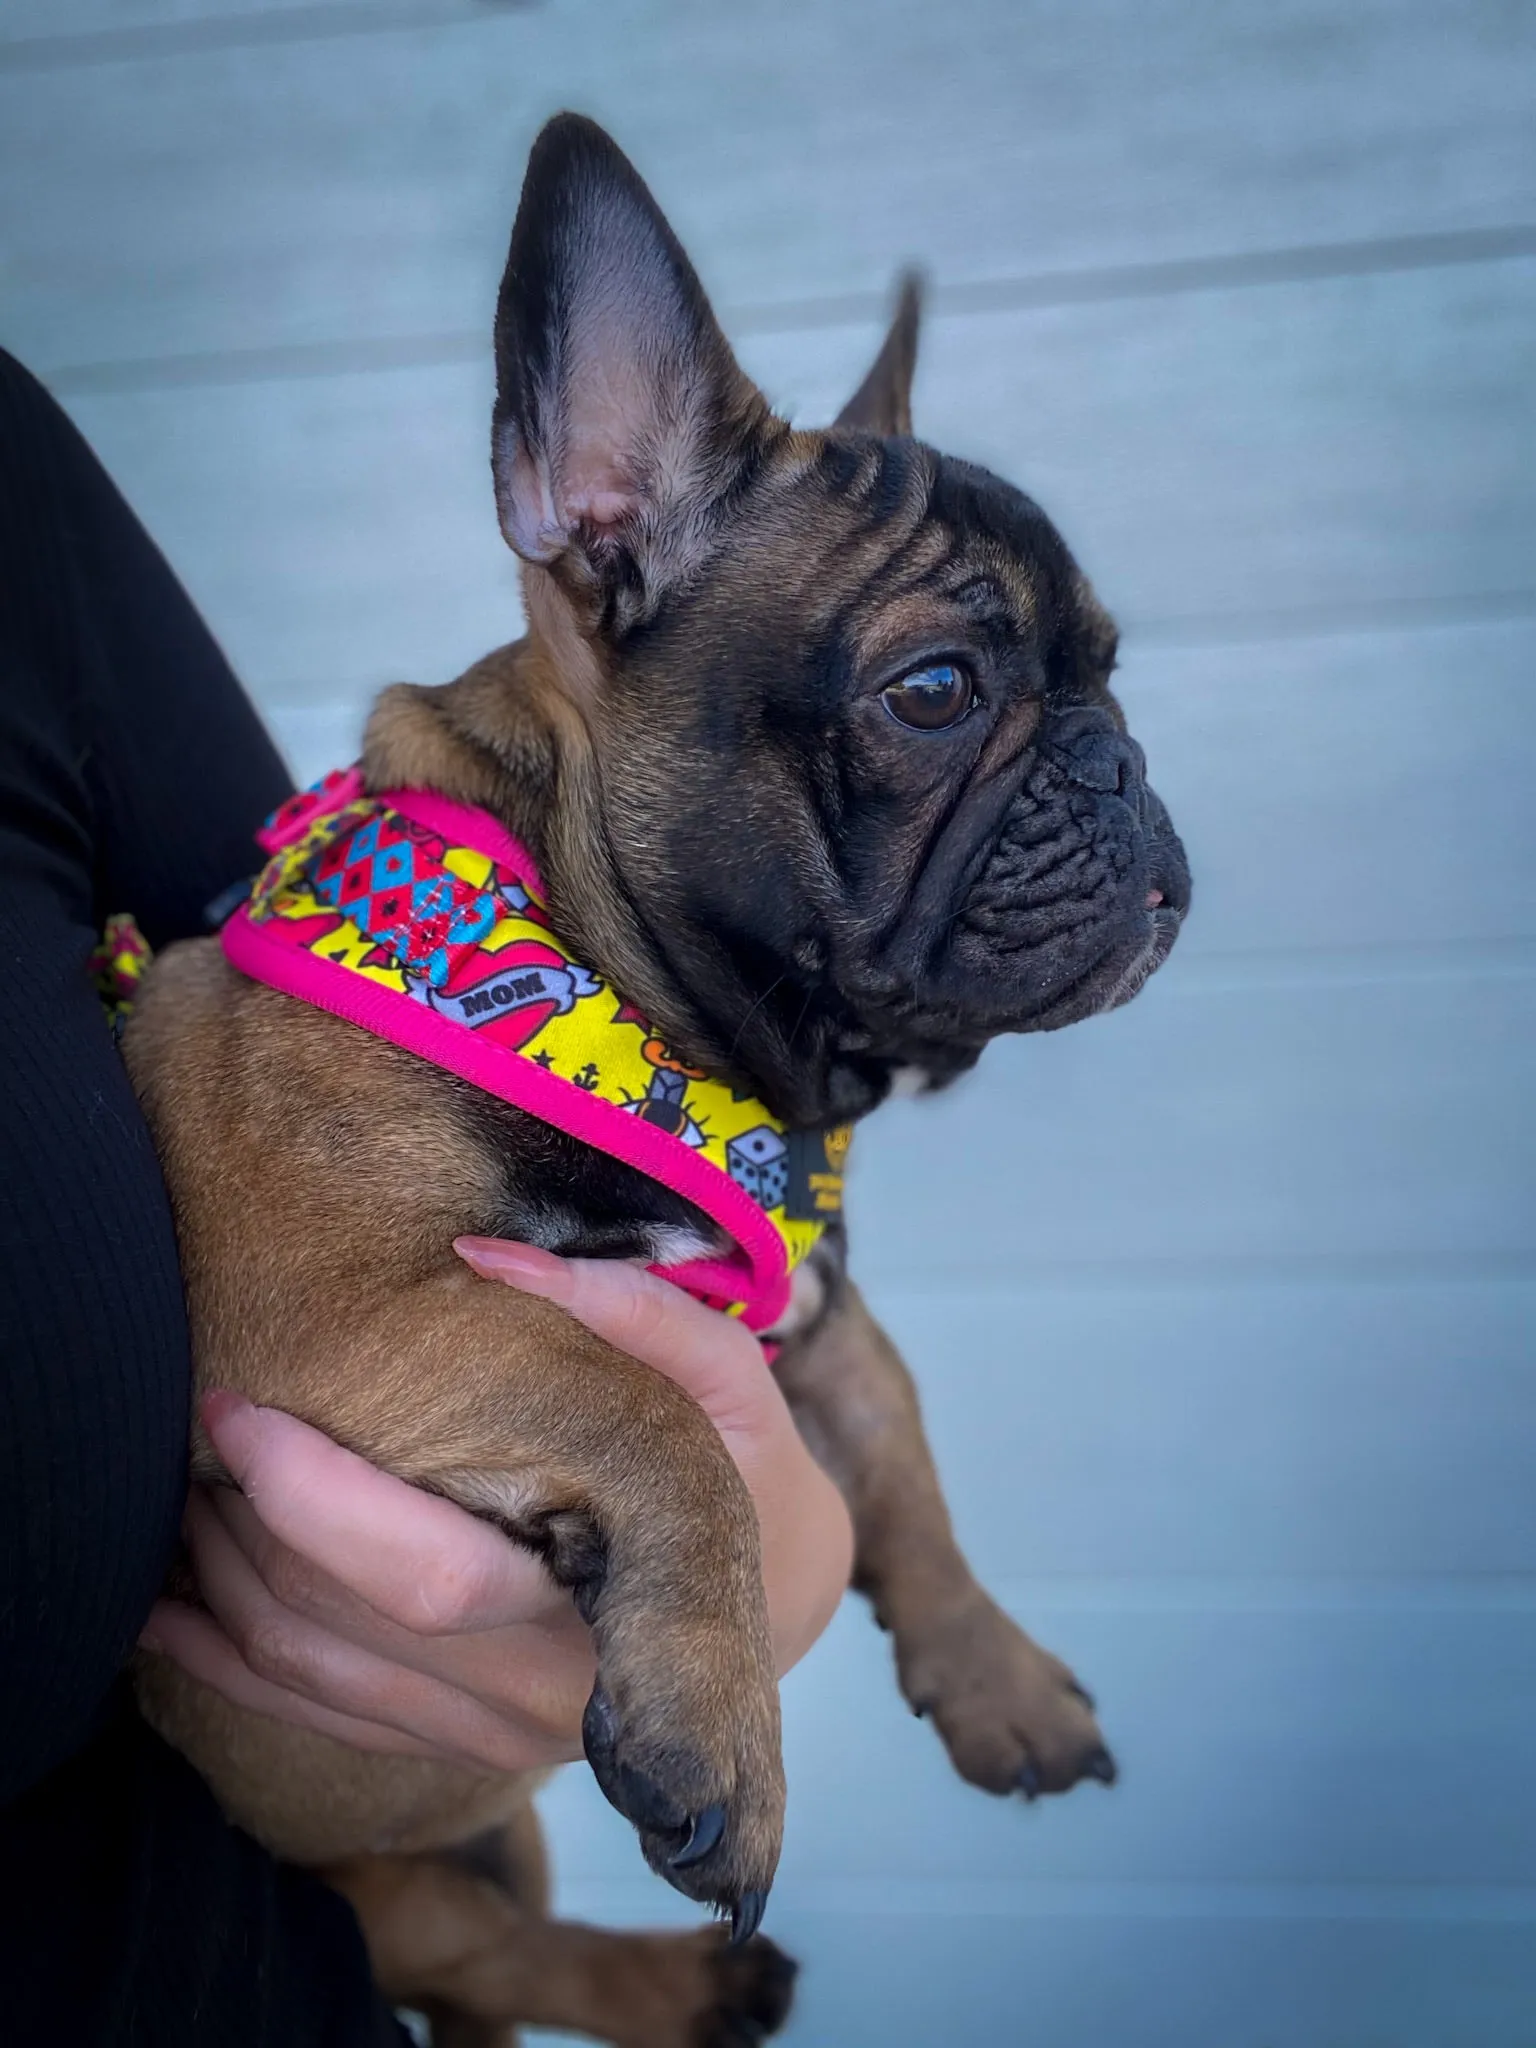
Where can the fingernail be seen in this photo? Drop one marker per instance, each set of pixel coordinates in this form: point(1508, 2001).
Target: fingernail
point(226, 1416)
point(220, 1406)
point(517, 1265)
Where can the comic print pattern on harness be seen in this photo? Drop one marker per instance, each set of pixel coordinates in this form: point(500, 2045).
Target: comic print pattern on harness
point(386, 890)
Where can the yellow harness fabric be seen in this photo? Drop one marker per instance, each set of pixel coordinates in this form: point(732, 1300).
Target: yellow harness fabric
point(376, 908)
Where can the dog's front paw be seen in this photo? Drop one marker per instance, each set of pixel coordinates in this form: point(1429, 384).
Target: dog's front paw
point(688, 1991)
point(753, 1990)
point(701, 1779)
point(1013, 1717)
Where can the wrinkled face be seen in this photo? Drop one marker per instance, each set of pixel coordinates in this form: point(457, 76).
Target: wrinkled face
point(871, 771)
point(856, 771)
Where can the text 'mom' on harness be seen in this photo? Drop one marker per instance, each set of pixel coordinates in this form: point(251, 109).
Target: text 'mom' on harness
point(424, 922)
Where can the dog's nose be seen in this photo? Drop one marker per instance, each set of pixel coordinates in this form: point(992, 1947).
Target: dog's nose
point(1095, 754)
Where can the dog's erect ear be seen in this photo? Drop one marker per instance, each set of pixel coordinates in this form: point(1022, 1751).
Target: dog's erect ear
point(883, 402)
point(621, 415)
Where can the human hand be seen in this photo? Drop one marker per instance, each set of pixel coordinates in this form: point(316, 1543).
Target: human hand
point(342, 1599)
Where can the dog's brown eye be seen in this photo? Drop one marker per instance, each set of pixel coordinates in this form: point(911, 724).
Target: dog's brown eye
point(930, 698)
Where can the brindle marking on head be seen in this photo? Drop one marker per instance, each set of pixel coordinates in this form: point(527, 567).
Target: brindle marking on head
point(694, 735)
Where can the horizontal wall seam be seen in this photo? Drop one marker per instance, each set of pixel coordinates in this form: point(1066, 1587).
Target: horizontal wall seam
point(364, 355)
point(1199, 1272)
point(861, 1895)
point(323, 21)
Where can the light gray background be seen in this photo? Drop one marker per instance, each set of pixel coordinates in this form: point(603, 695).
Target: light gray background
point(1221, 1307)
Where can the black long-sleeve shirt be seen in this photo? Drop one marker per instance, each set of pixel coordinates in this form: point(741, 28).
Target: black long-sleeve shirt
point(132, 774)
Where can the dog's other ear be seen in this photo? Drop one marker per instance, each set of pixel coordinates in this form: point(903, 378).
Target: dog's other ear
point(883, 402)
point(621, 416)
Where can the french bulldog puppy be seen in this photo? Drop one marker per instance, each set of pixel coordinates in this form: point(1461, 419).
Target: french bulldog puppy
point(812, 737)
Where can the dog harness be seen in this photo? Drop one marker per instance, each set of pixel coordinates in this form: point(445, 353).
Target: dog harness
point(424, 922)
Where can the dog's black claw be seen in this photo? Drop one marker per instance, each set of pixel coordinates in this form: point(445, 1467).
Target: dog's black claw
point(1084, 1695)
point(1030, 1782)
point(706, 1832)
point(1101, 1765)
point(746, 1917)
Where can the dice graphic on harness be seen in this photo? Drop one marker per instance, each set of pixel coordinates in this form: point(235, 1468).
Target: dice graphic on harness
point(759, 1164)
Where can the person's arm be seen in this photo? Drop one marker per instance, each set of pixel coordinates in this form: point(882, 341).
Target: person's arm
point(133, 772)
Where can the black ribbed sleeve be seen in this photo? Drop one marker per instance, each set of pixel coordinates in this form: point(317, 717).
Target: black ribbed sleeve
point(132, 774)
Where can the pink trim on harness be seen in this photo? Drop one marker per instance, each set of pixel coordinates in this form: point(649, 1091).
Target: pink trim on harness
point(274, 938)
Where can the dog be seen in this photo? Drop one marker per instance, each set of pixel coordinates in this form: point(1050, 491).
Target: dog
point(812, 747)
